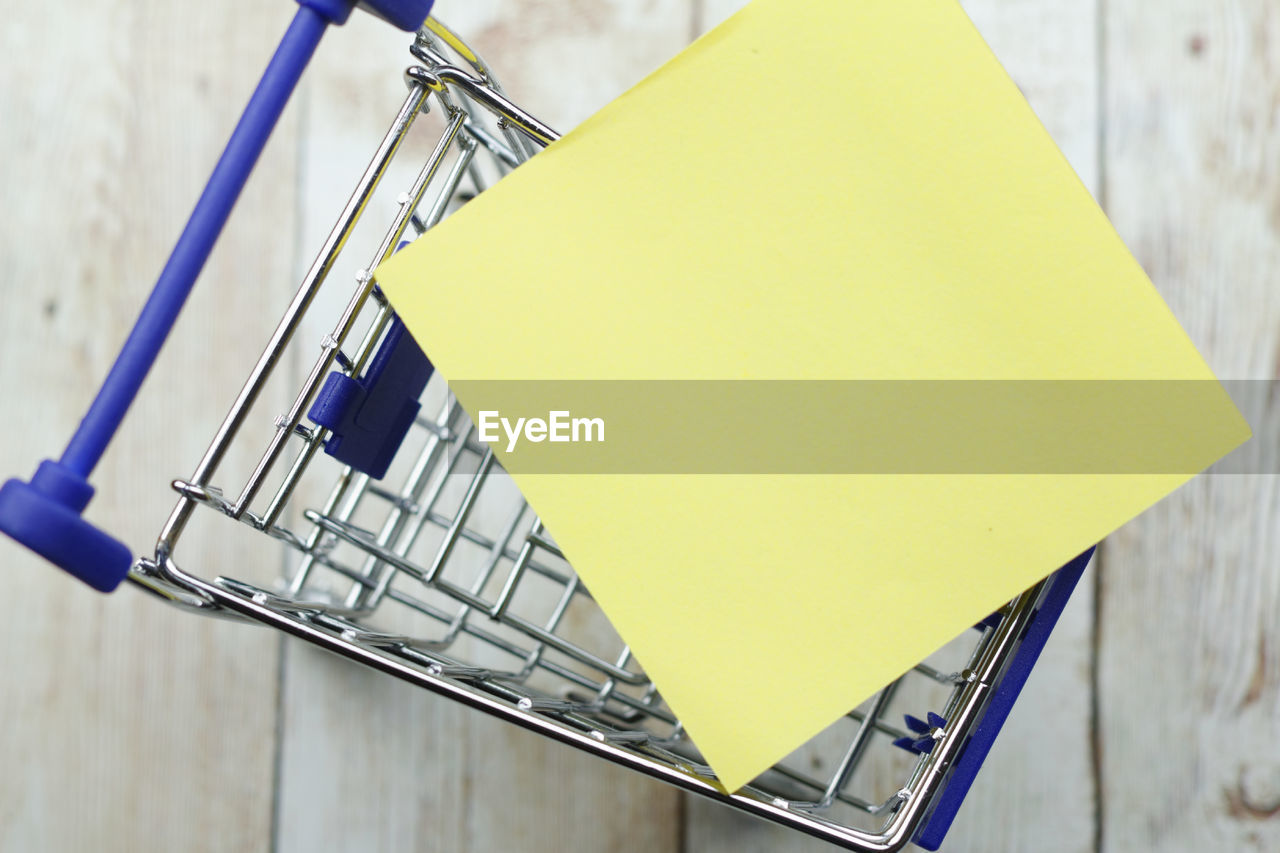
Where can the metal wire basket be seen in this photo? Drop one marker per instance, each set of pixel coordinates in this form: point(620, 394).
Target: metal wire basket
point(439, 573)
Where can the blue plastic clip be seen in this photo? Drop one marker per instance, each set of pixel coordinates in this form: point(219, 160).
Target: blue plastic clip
point(370, 416)
point(45, 514)
point(924, 732)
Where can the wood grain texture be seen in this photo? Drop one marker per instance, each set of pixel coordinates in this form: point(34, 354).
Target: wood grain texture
point(128, 725)
point(1189, 666)
point(367, 762)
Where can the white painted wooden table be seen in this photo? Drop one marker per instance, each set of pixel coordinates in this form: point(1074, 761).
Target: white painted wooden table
point(1152, 722)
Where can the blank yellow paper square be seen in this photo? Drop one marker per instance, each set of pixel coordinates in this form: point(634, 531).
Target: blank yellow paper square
point(848, 189)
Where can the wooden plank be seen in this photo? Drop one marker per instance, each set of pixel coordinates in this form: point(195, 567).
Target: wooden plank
point(1036, 790)
point(126, 722)
point(371, 763)
point(1189, 670)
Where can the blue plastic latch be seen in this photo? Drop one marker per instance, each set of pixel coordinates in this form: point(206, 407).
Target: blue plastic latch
point(44, 515)
point(370, 416)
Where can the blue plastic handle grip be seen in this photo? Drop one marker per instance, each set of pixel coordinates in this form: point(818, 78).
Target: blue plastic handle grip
point(195, 243)
point(45, 514)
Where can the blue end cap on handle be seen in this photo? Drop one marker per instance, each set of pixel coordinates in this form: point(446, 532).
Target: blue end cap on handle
point(370, 416)
point(1064, 582)
point(44, 515)
point(407, 15)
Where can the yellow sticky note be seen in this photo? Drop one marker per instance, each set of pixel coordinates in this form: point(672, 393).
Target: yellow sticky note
point(838, 190)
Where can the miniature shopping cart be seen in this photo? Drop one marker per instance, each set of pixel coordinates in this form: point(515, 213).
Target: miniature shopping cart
point(410, 549)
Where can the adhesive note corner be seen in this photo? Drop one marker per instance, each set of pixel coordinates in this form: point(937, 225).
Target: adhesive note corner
point(836, 191)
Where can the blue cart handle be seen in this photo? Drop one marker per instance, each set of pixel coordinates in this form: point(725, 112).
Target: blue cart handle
point(45, 514)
